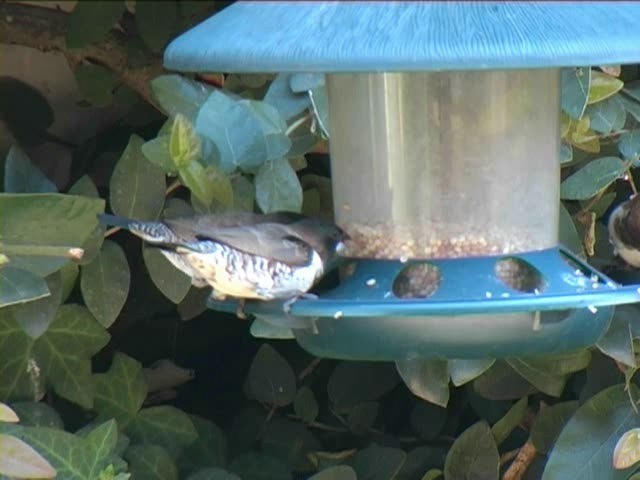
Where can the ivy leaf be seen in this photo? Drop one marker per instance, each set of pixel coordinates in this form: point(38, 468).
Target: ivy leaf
point(305, 404)
point(591, 179)
point(286, 101)
point(378, 463)
point(549, 422)
point(271, 379)
point(629, 144)
point(278, 187)
point(36, 316)
point(156, 22)
point(464, 370)
point(137, 186)
point(179, 95)
point(235, 129)
point(184, 145)
point(173, 283)
point(150, 462)
point(96, 84)
point(603, 86)
point(19, 460)
point(101, 16)
point(31, 221)
point(60, 357)
point(503, 427)
point(352, 383)
point(19, 286)
point(105, 283)
point(575, 90)
point(474, 454)
point(585, 447)
point(37, 414)
point(157, 152)
point(73, 457)
point(607, 116)
point(120, 393)
point(428, 379)
point(22, 176)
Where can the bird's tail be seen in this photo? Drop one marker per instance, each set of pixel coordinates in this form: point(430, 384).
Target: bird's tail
point(152, 232)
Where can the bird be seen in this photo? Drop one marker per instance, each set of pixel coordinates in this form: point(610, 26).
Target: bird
point(243, 255)
point(624, 231)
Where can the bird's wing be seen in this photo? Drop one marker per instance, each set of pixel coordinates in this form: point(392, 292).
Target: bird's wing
point(269, 240)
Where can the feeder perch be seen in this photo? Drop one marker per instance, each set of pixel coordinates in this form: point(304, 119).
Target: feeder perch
point(444, 139)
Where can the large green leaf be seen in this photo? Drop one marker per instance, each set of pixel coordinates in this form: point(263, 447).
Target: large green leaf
point(33, 224)
point(20, 286)
point(137, 186)
point(150, 462)
point(503, 427)
point(629, 144)
point(618, 341)
point(157, 152)
point(278, 187)
point(284, 99)
point(549, 423)
point(86, 188)
point(502, 382)
point(156, 22)
point(177, 94)
point(59, 358)
point(274, 128)
point(465, 370)
point(120, 393)
point(428, 379)
point(607, 116)
point(542, 379)
point(73, 457)
point(305, 404)
point(603, 86)
point(474, 454)
point(271, 379)
point(594, 177)
point(584, 449)
point(575, 90)
point(378, 463)
point(352, 383)
point(173, 283)
point(22, 176)
point(37, 414)
point(105, 283)
point(569, 236)
point(90, 22)
point(36, 316)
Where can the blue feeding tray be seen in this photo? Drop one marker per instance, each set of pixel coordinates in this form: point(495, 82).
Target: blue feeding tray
point(444, 136)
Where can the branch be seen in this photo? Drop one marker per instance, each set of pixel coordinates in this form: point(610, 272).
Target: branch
point(44, 29)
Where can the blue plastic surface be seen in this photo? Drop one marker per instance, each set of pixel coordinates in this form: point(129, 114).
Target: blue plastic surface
point(408, 36)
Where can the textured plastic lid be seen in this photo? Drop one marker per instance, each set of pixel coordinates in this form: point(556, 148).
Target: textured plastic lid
point(408, 36)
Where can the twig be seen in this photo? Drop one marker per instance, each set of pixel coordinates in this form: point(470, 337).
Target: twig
point(297, 123)
point(309, 369)
point(526, 454)
point(506, 457)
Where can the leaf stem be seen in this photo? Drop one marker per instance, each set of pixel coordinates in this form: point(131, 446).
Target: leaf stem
point(297, 123)
point(74, 253)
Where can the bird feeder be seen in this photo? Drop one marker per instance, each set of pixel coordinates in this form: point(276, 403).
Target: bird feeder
point(445, 142)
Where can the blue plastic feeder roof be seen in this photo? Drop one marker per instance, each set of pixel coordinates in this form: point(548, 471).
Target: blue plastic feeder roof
point(444, 136)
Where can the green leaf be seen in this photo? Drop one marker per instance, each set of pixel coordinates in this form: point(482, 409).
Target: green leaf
point(337, 472)
point(105, 283)
point(286, 101)
point(584, 449)
point(549, 422)
point(257, 466)
point(235, 130)
point(278, 187)
point(31, 221)
point(603, 86)
point(37, 414)
point(378, 463)
point(507, 424)
point(632, 107)
point(137, 186)
point(194, 303)
point(243, 194)
point(22, 176)
point(290, 442)
point(427, 420)
point(594, 177)
point(19, 460)
point(629, 144)
point(96, 84)
point(474, 454)
point(566, 152)
point(352, 383)
point(194, 177)
point(173, 283)
point(213, 473)
point(362, 417)
point(464, 370)
point(60, 357)
point(271, 379)
point(274, 129)
point(151, 462)
point(91, 21)
point(568, 233)
point(163, 425)
point(560, 364)
point(607, 116)
point(575, 90)
point(501, 382)
point(618, 341)
point(156, 22)
point(209, 449)
point(627, 450)
point(19, 286)
point(544, 381)
point(179, 95)
point(36, 316)
point(184, 145)
point(157, 152)
point(427, 379)
point(86, 188)
point(305, 404)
